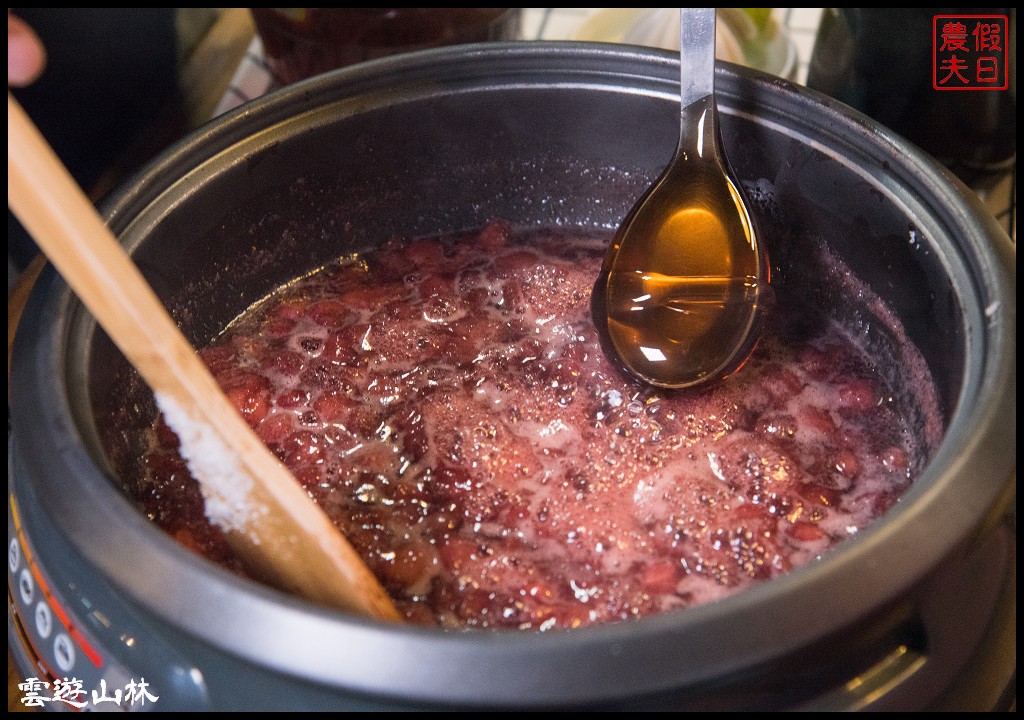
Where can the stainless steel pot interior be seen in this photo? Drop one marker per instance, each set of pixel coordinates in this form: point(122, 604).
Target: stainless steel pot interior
point(539, 134)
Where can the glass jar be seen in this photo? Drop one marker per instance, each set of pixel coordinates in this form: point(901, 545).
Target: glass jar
point(302, 42)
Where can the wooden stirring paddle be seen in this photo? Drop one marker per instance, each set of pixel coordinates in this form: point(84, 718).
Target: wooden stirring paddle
point(280, 534)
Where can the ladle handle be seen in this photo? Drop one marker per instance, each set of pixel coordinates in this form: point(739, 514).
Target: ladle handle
point(279, 533)
point(696, 54)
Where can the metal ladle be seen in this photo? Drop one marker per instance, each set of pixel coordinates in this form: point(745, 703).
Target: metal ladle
point(681, 295)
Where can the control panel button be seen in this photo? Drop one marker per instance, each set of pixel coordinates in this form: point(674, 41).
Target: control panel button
point(14, 555)
point(27, 586)
point(44, 619)
point(64, 652)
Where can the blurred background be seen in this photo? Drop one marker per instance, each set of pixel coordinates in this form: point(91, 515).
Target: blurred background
point(122, 84)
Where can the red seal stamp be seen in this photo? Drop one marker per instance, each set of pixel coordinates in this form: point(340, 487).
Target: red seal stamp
point(969, 52)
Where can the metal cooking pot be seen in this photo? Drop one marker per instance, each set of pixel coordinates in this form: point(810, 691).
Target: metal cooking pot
point(917, 611)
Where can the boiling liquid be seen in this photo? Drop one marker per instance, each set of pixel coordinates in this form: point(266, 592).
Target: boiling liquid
point(447, 404)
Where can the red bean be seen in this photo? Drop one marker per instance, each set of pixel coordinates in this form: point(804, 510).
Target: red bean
point(895, 458)
point(425, 253)
point(251, 397)
point(661, 577)
point(806, 531)
point(860, 394)
point(276, 428)
point(409, 563)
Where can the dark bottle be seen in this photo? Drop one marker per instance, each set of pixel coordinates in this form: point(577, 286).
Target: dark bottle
point(880, 61)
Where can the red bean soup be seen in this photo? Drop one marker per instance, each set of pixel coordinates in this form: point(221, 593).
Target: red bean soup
point(446, 402)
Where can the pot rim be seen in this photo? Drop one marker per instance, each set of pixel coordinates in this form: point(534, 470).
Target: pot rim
point(711, 641)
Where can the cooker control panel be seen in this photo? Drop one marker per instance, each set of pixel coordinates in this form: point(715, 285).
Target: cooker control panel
point(61, 664)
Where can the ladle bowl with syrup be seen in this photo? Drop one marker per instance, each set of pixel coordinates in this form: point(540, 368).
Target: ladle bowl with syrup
point(681, 295)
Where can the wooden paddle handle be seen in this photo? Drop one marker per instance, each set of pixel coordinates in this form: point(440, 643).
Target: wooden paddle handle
point(281, 535)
